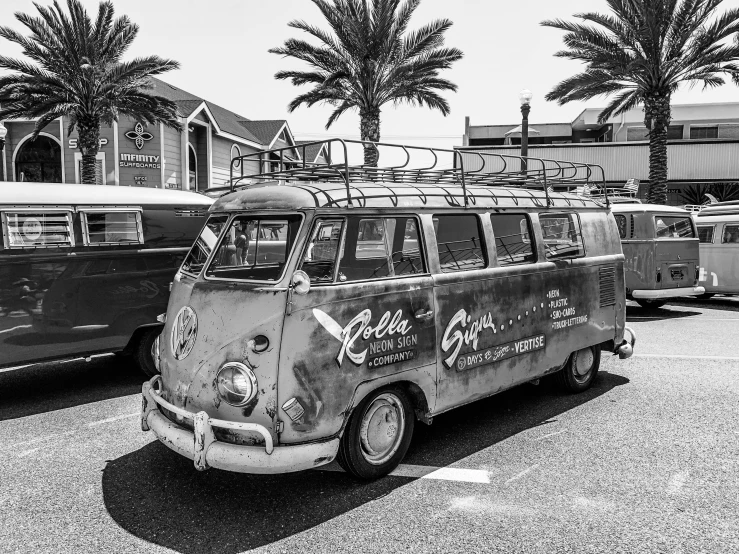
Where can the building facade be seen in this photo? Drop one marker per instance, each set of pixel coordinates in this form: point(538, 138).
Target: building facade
point(132, 154)
point(702, 147)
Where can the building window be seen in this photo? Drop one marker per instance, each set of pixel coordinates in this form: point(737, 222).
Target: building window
point(459, 242)
point(236, 153)
point(704, 132)
point(192, 167)
point(99, 168)
point(39, 161)
point(674, 132)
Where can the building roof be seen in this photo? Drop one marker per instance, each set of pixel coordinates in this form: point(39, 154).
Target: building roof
point(262, 132)
point(311, 152)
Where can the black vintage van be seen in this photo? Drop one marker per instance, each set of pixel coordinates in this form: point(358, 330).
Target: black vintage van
point(86, 269)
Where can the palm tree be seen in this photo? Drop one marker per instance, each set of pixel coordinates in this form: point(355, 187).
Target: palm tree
point(368, 59)
point(78, 73)
point(641, 54)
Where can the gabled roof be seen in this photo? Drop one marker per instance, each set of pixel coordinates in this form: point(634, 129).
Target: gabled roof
point(262, 132)
point(311, 152)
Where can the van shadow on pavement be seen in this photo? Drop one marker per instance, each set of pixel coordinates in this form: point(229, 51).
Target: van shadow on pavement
point(45, 387)
point(637, 313)
point(158, 496)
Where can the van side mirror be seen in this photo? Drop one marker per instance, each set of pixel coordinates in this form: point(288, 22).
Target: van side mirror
point(300, 282)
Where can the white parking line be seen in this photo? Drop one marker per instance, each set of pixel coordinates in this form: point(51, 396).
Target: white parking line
point(684, 318)
point(430, 472)
point(677, 482)
point(686, 356)
point(111, 419)
point(523, 473)
point(550, 435)
point(14, 328)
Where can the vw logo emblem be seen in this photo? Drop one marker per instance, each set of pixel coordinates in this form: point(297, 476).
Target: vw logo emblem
point(184, 332)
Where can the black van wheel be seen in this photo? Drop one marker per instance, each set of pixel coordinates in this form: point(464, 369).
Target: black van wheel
point(378, 434)
point(143, 352)
point(651, 304)
point(706, 296)
point(580, 370)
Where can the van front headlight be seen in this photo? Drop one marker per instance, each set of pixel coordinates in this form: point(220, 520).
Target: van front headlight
point(237, 384)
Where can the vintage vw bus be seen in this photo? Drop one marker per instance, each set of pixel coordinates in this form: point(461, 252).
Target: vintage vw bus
point(660, 248)
point(718, 232)
point(396, 296)
point(86, 269)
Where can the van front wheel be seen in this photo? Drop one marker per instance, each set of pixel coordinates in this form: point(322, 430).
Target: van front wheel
point(580, 370)
point(378, 434)
point(143, 352)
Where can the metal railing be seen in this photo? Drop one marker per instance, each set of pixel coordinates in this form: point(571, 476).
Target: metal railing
point(469, 167)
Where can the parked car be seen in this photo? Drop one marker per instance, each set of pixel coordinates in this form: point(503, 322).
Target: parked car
point(660, 247)
point(392, 296)
point(86, 269)
point(718, 232)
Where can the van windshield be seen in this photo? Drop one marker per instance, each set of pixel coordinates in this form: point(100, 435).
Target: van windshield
point(204, 244)
point(255, 248)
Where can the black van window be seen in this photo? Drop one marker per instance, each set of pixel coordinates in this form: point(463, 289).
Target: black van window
point(204, 244)
point(377, 247)
point(319, 260)
point(562, 235)
point(621, 223)
point(705, 233)
point(513, 239)
point(731, 234)
point(254, 248)
point(673, 227)
point(459, 242)
point(38, 229)
point(114, 227)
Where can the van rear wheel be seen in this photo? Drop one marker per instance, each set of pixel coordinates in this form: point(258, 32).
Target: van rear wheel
point(580, 370)
point(378, 434)
point(651, 304)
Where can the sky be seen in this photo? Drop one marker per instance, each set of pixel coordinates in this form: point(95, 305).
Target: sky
point(222, 48)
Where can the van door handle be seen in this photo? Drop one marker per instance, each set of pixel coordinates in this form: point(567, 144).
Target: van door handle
point(424, 315)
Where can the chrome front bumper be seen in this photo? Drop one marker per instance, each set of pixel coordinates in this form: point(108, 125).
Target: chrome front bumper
point(206, 451)
point(668, 293)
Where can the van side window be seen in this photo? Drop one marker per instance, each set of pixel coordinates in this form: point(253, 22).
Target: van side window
point(562, 235)
point(37, 229)
point(377, 248)
point(673, 227)
point(731, 234)
point(319, 261)
point(459, 242)
point(115, 227)
point(705, 233)
point(512, 239)
point(621, 223)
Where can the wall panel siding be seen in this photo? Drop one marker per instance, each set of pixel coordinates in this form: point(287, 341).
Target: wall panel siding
point(172, 159)
point(686, 160)
point(222, 160)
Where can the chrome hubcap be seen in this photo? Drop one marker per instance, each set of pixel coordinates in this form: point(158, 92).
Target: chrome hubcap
point(583, 363)
point(382, 428)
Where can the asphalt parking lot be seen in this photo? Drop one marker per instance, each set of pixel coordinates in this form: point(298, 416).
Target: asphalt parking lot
point(645, 461)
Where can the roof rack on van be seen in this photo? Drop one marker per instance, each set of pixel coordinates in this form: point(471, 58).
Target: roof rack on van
point(469, 167)
point(730, 207)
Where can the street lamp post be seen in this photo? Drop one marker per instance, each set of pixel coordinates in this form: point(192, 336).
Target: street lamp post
point(525, 97)
point(3, 134)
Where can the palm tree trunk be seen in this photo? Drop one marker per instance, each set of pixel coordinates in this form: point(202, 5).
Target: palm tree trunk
point(89, 131)
point(369, 128)
point(657, 118)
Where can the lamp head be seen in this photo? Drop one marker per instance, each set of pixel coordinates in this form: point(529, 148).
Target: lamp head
point(525, 97)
